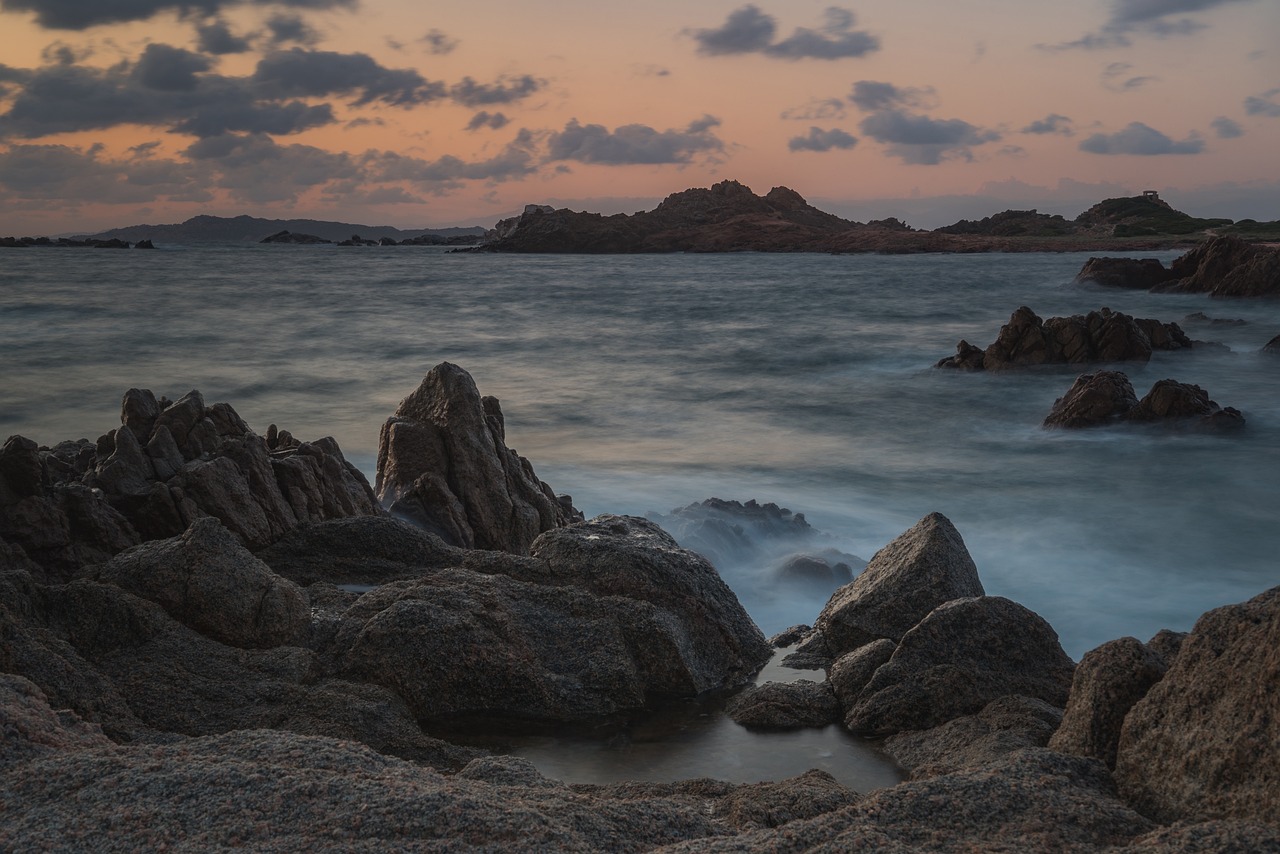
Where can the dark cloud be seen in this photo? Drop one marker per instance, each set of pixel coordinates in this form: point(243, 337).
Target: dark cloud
point(215, 37)
point(66, 174)
point(872, 95)
point(290, 28)
point(1137, 138)
point(506, 90)
point(1263, 105)
point(485, 119)
point(633, 144)
point(516, 161)
point(817, 109)
point(749, 30)
point(1116, 77)
point(439, 43)
point(1156, 18)
point(278, 118)
point(318, 73)
point(82, 14)
point(170, 69)
point(1052, 123)
point(61, 53)
point(822, 140)
point(921, 140)
point(1226, 128)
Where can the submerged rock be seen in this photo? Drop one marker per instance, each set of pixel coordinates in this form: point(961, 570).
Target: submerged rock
point(443, 463)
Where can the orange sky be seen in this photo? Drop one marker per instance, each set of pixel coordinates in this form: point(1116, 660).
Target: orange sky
point(411, 114)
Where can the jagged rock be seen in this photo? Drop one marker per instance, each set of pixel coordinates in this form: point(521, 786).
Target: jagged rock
point(1169, 399)
point(1102, 397)
point(444, 464)
point(1138, 273)
point(967, 357)
point(359, 550)
point(921, 569)
point(1107, 682)
point(1226, 266)
point(1167, 644)
point(851, 672)
point(963, 655)
point(1272, 346)
point(1202, 743)
point(790, 636)
point(1099, 336)
point(785, 705)
point(1003, 726)
point(207, 580)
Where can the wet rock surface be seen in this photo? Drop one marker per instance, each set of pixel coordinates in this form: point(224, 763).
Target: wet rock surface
point(785, 705)
point(1106, 397)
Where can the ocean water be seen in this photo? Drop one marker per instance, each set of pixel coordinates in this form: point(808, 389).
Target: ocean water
point(643, 383)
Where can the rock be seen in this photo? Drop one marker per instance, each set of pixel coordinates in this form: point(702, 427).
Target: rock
point(1099, 336)
point(608, 616)
point(287, 237)
point(814, 572)
point(1226, 266)
point(1167, 644)
point(811, 653)
point(1106, 397)
point(29, 728)
point(144, 244)
point(785, 705)
point(1107, 682)
point(851, 672)
point(1143, 273)
point(1210, 837)
point(775, 804)
point(963, 655)
point(443, 463)
point(1102, 397)
point(921, 569)
point(1028, 800)
point(367, 550)
point(1272, 346)
point(790, 636)
point(1201, 744)
point(1003, 726)
point(207, 580)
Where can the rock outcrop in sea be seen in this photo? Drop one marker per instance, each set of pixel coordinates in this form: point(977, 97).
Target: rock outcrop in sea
point(1107, 397)
point(207, 690)
point(1223, 266)
point(1099, 336)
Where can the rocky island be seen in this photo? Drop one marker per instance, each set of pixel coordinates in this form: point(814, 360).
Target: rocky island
point(214, 638)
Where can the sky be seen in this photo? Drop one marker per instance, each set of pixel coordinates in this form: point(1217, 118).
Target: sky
point(424, 114)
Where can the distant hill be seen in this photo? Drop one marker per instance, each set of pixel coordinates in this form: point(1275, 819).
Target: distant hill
point(250, 229)
point(1013, 224)
point(1142, 216)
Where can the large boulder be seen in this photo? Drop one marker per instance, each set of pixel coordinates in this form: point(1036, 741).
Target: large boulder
point(1138, 273)
point(785, 705)
point(1107, 682)
point(1202, 743)
point(1102, 397)
point(1172, 400)
point(904, 581)
point(1226, 266)
point(443, 463)
point(963, 655)
point(207, 580)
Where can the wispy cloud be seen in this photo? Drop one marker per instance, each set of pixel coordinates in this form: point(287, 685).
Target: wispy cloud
point(1154, 18)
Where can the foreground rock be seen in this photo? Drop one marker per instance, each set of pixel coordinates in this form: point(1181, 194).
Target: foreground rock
point(1107, 397)
point(1222, 266)
point(920, 570)
point(1201, 744)
point(785, 705)
point(443, 463)
point(169, 464)
point(1099, 336)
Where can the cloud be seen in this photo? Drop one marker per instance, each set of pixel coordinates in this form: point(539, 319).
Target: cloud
point(822, 140)
point(486, 119)
point(82, 14)
point(633, 144)
point(215, 37)
point(872, 95)
point(506, 90)
point(921, 140)
point(291, 28)
point(651, 70)
point(517, 160)
point(749, 30)
point(170, 69)
point(817, 109)
point(1052, 123)
point(1263, 105)
point(1114, 77)
point(1226, 128)
point(439, 43)
point(1155, 18)
point(66, 174)
point(298, 72)
point(1137, 138)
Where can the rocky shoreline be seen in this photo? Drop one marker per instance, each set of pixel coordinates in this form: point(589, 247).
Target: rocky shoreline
point(211, 638)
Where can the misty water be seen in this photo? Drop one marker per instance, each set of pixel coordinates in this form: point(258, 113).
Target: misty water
point(640, 384)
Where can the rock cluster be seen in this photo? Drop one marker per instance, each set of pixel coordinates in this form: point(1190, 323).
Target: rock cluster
point(168, 464)
point(1099, 336)
point(443, 463)
point(1107, 397)
point(1223, 266)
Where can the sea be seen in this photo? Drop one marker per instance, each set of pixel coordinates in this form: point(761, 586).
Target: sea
point(643, 383)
